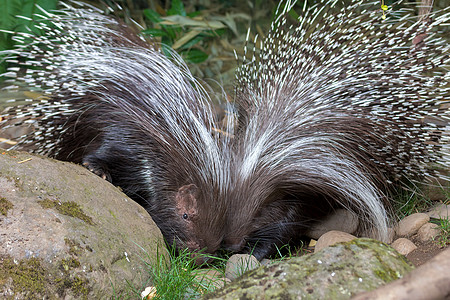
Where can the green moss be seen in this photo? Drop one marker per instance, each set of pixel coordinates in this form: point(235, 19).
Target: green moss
point(382, 269)
point(80, 287)
point(70, 263)
point(11, 153)
point(47, 203)
point(28, 276)
point(387, 275)
point(74, 247)
point(30, 280)
point(69, 208)
point(5, 205)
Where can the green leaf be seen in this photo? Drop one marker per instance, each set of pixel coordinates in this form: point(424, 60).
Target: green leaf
point(194, 56)
point(10, 9)
point(152, 15)
point(155, 32)
point(171, 31)
point(191, 43)
point(166, 40)
point(213, 33)
point(177, 8)
point(185, 21)
point(194, 14)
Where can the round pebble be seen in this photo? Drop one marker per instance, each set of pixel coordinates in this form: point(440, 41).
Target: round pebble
point(210, 277)
point(331, 238)
point(428, 231)
point(238, 264)
point(440, 212)
point(411, 224)
point(403, 246)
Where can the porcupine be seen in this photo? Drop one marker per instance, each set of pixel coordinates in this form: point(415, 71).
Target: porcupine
point(298, 151)
point(339, 110)
point(113, 102)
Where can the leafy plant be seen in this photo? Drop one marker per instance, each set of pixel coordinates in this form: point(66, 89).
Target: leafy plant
point(9, 22)
point(183, 32)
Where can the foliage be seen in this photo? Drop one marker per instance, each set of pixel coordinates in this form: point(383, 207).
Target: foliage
point(409, 201)
point(9, 22)
point(182, 31)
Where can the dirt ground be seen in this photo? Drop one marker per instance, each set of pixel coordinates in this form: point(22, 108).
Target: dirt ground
point(424, 252)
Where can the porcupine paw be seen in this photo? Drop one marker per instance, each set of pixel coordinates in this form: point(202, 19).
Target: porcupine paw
point(96, 169)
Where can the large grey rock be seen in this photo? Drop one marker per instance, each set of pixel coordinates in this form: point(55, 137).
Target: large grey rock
point(336, 272)
point(67, 233)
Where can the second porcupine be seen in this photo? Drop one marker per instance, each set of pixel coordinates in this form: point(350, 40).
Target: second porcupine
point(336, 111)
point(116, 104)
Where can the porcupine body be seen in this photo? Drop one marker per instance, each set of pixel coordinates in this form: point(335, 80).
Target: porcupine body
point(336, 111)
point(328, 117)
point(114, 103)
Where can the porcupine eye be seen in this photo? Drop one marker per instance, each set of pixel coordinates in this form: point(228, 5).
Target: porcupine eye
point(185, 216)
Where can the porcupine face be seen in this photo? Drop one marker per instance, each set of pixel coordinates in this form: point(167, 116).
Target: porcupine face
point(202, 224)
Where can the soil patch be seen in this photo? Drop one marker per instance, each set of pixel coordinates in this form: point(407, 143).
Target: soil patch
point(424, 252)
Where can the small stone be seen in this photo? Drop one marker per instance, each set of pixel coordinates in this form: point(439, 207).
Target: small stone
point(340, 220)
point(332, 237)
point(210, 277)
point(238, 264)
point(428, 231)
point(403, 246)
point(440, 212)
point(411, 224)
point(266, 262)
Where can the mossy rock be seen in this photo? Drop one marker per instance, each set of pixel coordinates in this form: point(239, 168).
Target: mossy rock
point(337, 272)
point(67, 233)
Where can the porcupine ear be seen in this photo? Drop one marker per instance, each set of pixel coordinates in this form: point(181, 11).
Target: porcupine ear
point(186, 202)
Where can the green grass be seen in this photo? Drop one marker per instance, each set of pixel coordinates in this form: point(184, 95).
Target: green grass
point(443, 239)
point(409, 201)
point(176, 276)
